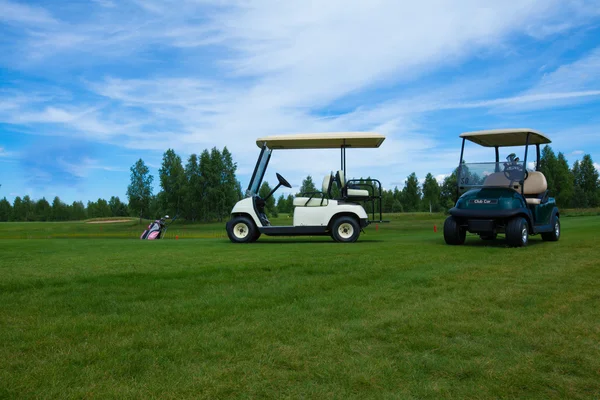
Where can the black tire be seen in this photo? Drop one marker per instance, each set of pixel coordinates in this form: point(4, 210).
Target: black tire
point(517, 232)
point(242, 230)
point(492, 236)
point(555, 234)
point(345, 230)
point(453, 233)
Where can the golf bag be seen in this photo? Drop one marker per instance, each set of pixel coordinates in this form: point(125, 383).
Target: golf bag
point(155, 230)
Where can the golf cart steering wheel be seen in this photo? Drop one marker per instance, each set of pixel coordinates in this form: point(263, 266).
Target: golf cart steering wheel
point(514, 172)
point(282, 181)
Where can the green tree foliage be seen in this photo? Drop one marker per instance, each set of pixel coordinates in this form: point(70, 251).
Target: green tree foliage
point(586, 179)
point(172, 182)
point(431, 194)
point(307, 186)
point(117, 207)
point(229, 184)
point(60, 211)
point(411, 193)
point(194, 190)
point(263, 192)
point(77, 211)
point(563, 182)
point(42, 210)
point(18, 212)
point(5, 210)
point(448, 191)
point(139, 191)
point(28, 209)
point(549, 166)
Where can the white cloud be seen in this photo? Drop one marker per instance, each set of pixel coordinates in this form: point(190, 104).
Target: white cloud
point(577, 153)
point(13, 12)
point(597, 166)
point(277, 67)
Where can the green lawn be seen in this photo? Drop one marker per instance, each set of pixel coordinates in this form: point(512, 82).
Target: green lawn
point(396, 315)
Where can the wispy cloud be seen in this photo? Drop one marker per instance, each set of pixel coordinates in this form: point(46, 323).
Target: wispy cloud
point(192, 74)
point(18, 13)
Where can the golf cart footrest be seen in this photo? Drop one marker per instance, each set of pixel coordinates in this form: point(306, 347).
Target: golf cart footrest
point(481, 225)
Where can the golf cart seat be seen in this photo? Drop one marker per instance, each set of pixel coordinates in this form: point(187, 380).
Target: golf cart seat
point(350, 192)
point(316, 199)
point(535, 188)
point(498, 179)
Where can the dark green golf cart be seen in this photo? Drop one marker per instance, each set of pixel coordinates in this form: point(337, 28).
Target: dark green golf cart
point(503, 197)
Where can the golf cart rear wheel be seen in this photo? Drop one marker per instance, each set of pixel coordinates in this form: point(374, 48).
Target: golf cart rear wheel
point(345, 230)
point(242, 230)
point(454, 234)
point(517, 232)
point(555, 234)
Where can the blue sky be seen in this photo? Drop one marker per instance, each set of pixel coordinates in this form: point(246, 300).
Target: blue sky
point(87, 88)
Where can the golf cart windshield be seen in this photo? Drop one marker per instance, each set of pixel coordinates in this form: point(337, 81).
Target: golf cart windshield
point(259, 171)
point(507, 174)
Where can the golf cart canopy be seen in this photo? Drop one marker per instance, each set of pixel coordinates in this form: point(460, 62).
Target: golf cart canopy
point(505, 137)
point(322, 140)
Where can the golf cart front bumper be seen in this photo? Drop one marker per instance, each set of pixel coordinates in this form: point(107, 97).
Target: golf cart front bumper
point(485, 221)
point(486, 214)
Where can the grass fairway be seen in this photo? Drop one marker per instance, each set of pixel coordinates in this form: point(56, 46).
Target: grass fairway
point(396, 315)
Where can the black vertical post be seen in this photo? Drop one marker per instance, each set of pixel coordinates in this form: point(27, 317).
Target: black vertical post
point(525, 165)
point(462, 151)
point(537, 158)
point(497, 168)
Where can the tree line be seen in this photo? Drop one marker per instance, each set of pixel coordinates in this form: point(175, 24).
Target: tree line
point(206, 188)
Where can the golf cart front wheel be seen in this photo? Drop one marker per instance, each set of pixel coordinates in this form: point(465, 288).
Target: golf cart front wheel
point(517, 232)
point(345, 230)
point(555, 234)
point(242, 230)
point(454, 234)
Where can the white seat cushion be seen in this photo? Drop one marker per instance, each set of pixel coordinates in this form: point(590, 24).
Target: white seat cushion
point(308, 202)
point(533, 201)
point(358, 193)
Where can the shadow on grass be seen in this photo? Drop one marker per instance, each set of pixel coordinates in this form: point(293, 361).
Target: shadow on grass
point(320, 241)
point(475, 241)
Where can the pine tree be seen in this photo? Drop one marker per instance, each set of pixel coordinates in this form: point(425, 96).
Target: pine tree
point(193, 189)
point(18, 210)
point(204, 168)
point(172, 182)
point(308, 186)
point(42, 210)
point(549, 166)
point(431, 194)
point(139, 191)
point(586, 178)
point(60, 211)
point(563, 182)
point(229, 182)
point(448, 191)
point(5, 210)
point(411, 193)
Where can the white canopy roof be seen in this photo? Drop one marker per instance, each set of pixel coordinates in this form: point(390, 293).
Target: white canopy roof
point(322, 140)
point(505, 137)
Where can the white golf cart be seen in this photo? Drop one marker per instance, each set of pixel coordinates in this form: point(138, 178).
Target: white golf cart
point(315, 213)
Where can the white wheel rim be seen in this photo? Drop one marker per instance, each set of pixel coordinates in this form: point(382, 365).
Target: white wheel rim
point(345, 230)
point(556, 229)
point(240, 230)
point(524, 235)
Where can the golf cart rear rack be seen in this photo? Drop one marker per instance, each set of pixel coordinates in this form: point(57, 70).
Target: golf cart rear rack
point(374, 196)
